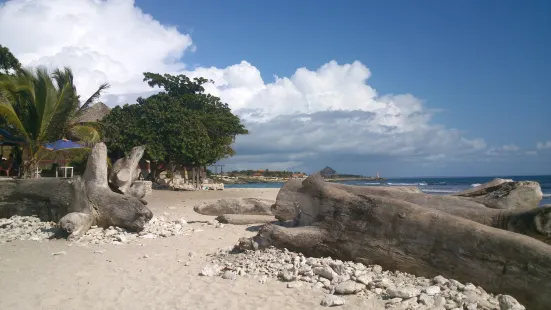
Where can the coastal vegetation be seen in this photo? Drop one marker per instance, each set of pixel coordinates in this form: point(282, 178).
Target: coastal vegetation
point(39, 107)
point(181, 126)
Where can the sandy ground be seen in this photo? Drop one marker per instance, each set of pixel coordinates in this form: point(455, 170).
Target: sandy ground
point(123, 278)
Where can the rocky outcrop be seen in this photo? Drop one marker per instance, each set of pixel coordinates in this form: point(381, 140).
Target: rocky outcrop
point(251, 206)
point(410, 237)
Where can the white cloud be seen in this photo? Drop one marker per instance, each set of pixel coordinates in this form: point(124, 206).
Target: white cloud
point(310, 117)
point(101, 41)
point(510, 148)
point(544, 145)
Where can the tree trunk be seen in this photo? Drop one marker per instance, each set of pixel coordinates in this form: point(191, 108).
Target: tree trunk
point(535, 222)
point(93, 203)
point(401, 235)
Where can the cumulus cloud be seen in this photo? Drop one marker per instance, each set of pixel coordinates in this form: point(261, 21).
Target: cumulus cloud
point(101, 41)
point(544, 145)
point(312, 118)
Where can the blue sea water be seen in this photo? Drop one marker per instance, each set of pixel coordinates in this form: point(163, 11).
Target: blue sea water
point(437, 186)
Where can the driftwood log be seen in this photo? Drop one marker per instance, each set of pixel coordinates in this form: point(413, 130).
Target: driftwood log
point(93, 203)
point(401, 235)
point(251, 206)
point(245, 219)
point(505, 194)
point(534, 222)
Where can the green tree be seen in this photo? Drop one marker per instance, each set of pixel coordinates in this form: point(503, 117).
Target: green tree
point(181, 124)
point(8, 62)
point(42, 108)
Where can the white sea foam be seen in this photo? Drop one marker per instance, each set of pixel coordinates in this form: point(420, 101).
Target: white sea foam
point(372, 183)
point(475, 184)
point(407, 184)
point(443, 191)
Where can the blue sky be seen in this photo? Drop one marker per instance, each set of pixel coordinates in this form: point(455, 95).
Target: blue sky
point(404, 88)
point(486, 64)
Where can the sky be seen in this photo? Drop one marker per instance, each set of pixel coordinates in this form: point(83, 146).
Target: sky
point(403, 88)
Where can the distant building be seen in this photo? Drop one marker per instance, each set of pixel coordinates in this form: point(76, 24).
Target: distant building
point(328, 173)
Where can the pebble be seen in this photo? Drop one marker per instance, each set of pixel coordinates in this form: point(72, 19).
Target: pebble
point(294, 284)
point(348, 288)
point(507, 302)
point(332, 301)
point(229, 275)
point(210, 270)
point(59, 253)
point(432, 290)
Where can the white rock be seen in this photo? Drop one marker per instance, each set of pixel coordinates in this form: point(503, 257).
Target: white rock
point(403, 292)
point(294, 284)
point(332, 301)
point(348, 287)
point(432, 290)
point(229, 275)
point(440, 280)
point(325, 272)
point(210, 270)
point(507, 302)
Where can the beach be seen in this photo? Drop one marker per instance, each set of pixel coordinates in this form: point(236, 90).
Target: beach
point(161, 273)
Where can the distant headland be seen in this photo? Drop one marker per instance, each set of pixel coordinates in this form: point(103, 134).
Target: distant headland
point(280, 176)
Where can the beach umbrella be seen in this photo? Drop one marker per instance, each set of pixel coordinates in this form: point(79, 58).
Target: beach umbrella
point(63, 144)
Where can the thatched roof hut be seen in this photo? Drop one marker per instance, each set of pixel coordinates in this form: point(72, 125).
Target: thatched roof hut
point(94, 113)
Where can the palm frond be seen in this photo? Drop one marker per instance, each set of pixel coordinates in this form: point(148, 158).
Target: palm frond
point(95, 96)
point(86, 133)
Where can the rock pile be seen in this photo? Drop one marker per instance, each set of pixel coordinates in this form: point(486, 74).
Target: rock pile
point(26, 228)
point(31, 228)
point(396, 289)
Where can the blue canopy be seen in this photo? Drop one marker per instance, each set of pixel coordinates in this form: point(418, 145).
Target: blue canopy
point(6, 138)
point(63, 145)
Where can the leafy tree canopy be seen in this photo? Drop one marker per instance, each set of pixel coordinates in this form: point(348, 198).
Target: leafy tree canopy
point(181, 124)
point(8, 62)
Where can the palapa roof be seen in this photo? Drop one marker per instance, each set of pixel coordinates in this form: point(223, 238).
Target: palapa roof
point(328, 170)
point(94, 113)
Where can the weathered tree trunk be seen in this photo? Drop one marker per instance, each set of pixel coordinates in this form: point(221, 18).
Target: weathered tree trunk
point(245, 219)
point(250, 206)
point(93, 203)
point(404, 236)
point(535, 222)
point(505, 194)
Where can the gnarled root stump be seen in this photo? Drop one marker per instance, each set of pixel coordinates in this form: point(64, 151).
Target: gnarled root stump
point(125, 172)
point(93, 203)
point(404, 236)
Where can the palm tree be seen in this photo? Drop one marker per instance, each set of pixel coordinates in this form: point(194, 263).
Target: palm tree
point(42, 108)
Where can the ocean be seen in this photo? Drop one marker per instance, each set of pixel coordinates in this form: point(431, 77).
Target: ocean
point(436, 186)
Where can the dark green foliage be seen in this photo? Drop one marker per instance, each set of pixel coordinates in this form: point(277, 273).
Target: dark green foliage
point(8, 62)
point(265, 173)
point(181, 124)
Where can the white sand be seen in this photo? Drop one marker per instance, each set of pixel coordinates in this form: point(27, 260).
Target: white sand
point(121, 278)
